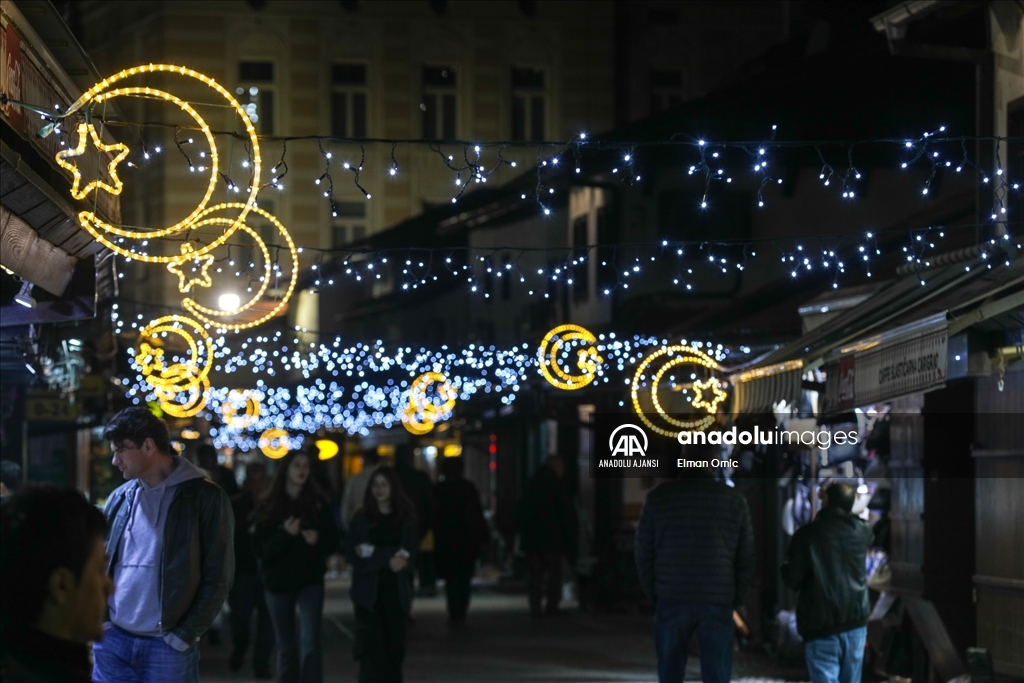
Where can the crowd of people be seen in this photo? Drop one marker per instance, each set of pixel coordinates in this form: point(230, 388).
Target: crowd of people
point(144, 580)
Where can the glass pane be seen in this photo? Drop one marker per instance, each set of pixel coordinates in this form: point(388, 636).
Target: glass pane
point(537, 118)
point(339, 235)
point(580, 283)
point(350, 208)
point(449, 117)
point(348, 74)
point(518, 118)
point(266, 112)
point(339, 114)
point(527, 78)
point(358, 232)
point(359, 115)
point(439, 76)
point(430, 117)
point(261, 72)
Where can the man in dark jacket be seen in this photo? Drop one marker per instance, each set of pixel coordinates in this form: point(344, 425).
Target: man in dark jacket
point(461, 530)
point(247, 594)
point(420, 490)
point(171, 555)
point(53, 572)
point(826, 563)
point(695, 560)
point(547, 534)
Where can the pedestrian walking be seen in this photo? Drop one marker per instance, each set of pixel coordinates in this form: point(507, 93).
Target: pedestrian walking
point(171, 555)
point(247, 591)
point(53, 567)
point(293, 535)
point(420, 491)
point(355, 487)
point(381, 548)
point(695, 560)
point(547, 534)
point(206, 458)
point(460, 531)
point(826, 563)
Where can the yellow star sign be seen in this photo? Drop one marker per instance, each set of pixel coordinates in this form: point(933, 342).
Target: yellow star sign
point(717, 395)
point(86, 131)
point(201, 264)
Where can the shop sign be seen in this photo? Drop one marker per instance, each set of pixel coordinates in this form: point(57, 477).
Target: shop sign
point(907, 365)
point(50, 408)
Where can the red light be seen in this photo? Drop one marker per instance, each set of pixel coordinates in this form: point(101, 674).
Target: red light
point(494, 437)
point(493, 465)
point(493, 449)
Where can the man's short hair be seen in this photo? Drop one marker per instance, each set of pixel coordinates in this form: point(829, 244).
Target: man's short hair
point(42, 528)
point(841, 495)
point(10, 474)
point(136, 424)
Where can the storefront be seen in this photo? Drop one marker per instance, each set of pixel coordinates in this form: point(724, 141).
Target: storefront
point(938, 364)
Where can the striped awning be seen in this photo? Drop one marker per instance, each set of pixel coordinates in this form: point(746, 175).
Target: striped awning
point(756, 390)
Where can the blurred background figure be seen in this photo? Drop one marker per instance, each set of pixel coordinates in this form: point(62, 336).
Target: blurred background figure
point(381, 547)
point(10, 477)
point(420, 491)
point(355, 488)
point(206, 458)
point(247, 592)
point(548, 534)
point(53, 566)
point(460, 530)
point(293, 535)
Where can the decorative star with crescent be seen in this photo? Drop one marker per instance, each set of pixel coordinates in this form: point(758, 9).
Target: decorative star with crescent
point(149, 359)
point(717, 395)
point(85, 132)
point(201, 263)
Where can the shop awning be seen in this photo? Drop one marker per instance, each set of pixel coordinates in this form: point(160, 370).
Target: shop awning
point(870, 357)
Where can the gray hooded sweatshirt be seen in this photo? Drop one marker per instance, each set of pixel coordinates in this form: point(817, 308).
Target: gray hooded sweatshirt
point(135, 603)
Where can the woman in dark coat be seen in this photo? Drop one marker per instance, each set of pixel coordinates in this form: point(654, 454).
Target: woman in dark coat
point(381, 542)
point(460, 529)
point(293, 535)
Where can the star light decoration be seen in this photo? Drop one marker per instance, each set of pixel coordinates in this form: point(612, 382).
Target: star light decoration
point(202, 263)
point(87, 131)
point(182, 389)
point(717, 394)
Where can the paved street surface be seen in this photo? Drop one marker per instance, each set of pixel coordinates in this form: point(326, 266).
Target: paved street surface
point(501, 643)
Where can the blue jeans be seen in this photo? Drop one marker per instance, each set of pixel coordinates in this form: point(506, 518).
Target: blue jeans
point(123, 657)
point(837, 658)
point(299, 659)
point(674, 625)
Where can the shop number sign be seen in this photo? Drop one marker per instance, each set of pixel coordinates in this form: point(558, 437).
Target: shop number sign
point(50, 409)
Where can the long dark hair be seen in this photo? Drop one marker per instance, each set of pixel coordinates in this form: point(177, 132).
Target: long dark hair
point(276, 505)
point(400, 503)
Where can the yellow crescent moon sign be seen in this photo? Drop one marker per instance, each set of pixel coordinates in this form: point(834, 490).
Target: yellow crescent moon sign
point(678, 355)
point(587, 358)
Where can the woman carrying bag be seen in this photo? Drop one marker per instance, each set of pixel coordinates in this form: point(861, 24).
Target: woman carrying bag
point(381, 541)
point(293, 535)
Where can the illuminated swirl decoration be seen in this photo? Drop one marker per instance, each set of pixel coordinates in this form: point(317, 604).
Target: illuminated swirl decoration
point(421, 413)
point(182, 388)
point(587, 358)
point(240, 409)
point(707, 393)
point(275, 443)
